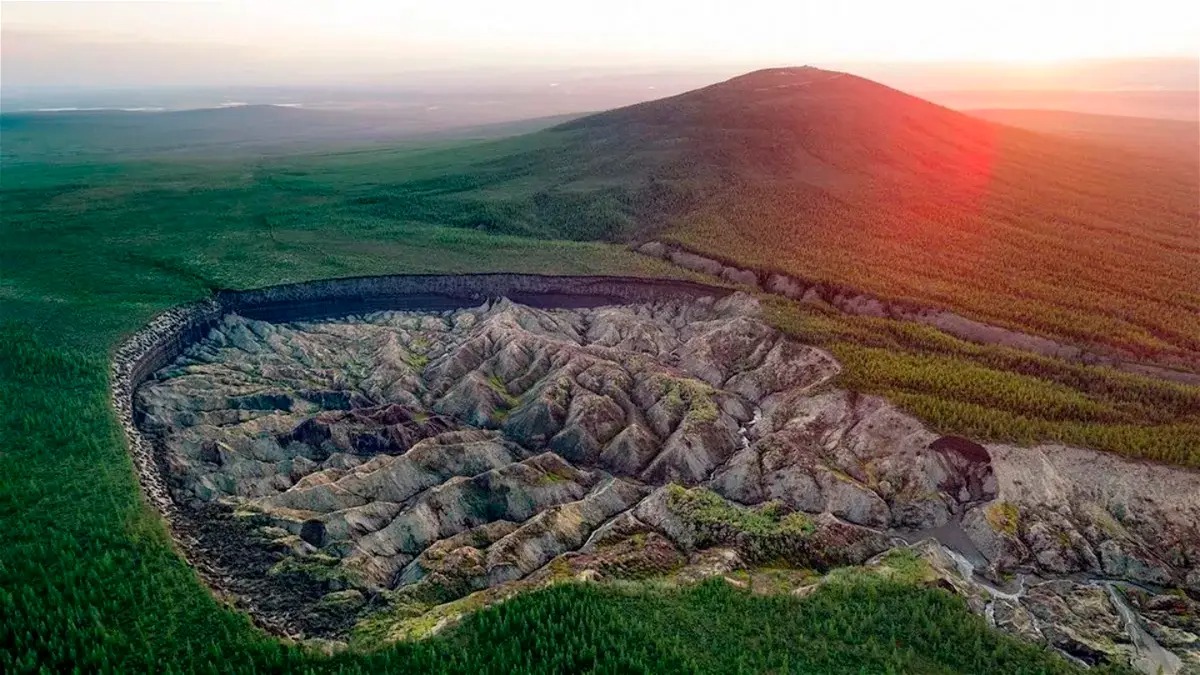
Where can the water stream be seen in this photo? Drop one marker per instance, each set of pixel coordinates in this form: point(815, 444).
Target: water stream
point(748, 431)
point(1151, 656)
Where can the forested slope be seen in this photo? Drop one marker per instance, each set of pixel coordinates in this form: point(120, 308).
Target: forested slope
point(835, 178)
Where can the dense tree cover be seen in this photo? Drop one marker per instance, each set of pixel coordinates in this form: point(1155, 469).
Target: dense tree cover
point(1002, 394)
point(1172, 137)
point(88, 576)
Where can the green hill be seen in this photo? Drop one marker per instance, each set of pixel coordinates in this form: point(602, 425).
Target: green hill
point(839, 179)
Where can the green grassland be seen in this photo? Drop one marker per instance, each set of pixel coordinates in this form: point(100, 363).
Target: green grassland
point(88, 577)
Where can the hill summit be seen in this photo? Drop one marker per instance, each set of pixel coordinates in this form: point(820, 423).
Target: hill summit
point(830, 125)
point(841, 180)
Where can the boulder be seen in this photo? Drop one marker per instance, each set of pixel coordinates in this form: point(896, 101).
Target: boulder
point(653, 249)
point(1125, 562)
point(696, 263)
point(852, 501)
point(994, 529)
point(784, 285)
point(740, 276)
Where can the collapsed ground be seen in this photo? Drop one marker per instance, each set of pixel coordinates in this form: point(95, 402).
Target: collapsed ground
point(377, 477)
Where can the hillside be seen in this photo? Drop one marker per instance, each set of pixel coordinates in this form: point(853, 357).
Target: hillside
point(91, 580)
point(838, 179)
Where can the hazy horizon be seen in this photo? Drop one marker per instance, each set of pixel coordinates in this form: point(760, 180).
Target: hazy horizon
point(1140, 88)
point(922, 45)
point(534, 59)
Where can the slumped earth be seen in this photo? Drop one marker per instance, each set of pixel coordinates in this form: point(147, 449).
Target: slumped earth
point(377, 477)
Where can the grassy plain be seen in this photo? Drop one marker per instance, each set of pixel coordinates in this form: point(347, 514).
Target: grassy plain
point(88, 577)
point(1172, 138)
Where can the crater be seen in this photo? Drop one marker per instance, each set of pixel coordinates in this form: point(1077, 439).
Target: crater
point(375, 475)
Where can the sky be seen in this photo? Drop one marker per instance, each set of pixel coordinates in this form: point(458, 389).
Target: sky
point(270, 42)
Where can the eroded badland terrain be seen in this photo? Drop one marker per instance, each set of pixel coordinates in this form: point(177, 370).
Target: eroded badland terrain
point(379, 476)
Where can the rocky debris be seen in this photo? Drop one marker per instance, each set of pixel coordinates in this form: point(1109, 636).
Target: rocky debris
point(140, 351)
point(1077, 619)
point(654, 249)
point(1172, 620)
point(394, 458)
point(977, 331)
point(739, 276)
point(695, 262)
point(1065, 510)
point(781, 284)
point(857, 457)
point(1092, 622)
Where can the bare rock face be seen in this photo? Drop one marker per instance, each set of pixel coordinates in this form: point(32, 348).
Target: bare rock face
point(405, 459)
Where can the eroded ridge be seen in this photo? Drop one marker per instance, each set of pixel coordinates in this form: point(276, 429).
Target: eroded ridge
point(388, 471)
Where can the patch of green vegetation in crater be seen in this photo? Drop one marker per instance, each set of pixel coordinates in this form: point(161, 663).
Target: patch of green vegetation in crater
point(341, 601)
point(407, 619)
point(905, 565)
point(550, 478)
point(497, 385)
point(560, 391)
point(378, 628)
point(1004, 517)
point(691, 397)
point(417, 361)
point(318, 567)
point(775, 578)
point(703, 507)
